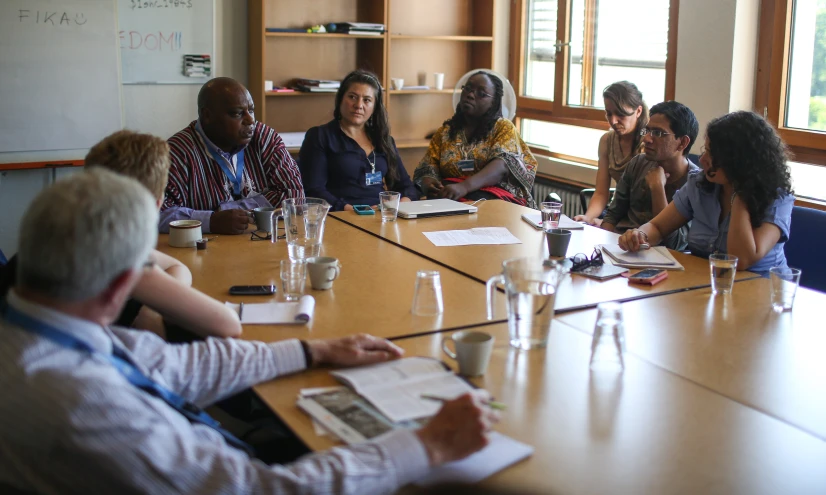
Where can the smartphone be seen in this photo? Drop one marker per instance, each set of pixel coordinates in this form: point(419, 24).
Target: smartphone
point(252, 290)
point(649, 276)
point(363, 210)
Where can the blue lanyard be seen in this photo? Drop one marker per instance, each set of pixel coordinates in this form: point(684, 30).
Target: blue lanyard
point(121, 361)
point(236, 178)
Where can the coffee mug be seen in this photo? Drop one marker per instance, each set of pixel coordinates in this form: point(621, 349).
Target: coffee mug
point(323, 270)
point(473, 350)
point(263, 217)
point(398, 83)
point(558, 241)
point(184, 233)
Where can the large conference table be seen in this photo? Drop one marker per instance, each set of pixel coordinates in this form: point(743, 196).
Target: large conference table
point(719, 395)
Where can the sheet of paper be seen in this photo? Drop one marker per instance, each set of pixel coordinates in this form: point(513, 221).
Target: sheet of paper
point(396, 371)
point(292, 139)
point(501, 452)
point(565, 222)
point(481, 235)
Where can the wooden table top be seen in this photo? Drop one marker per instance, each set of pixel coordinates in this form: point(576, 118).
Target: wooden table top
point(736, 345)
point(373, 294)
point(645, 431)
point(483, 262)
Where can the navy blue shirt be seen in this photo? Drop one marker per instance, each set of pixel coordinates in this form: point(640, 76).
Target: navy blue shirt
point(334, 167)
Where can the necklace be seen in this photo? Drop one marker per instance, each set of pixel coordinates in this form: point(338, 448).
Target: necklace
point(373, 163)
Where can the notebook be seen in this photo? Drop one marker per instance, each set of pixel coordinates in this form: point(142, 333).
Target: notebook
point(434, 208)
point(276, 313)
point(656, 257)
point(565, 222)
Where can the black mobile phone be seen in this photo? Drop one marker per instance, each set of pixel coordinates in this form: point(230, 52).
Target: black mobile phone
point(648, 273)
point(252, 290)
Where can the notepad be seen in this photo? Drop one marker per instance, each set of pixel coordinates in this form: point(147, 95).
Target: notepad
point(565, 222)
point(395, 388)
point(656, 257)
point(276, 313)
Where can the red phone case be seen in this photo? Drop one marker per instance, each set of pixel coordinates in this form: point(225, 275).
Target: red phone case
point(649, 281)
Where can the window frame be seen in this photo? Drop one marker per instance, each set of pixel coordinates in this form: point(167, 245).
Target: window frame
point(772, 81)
point(558, 111)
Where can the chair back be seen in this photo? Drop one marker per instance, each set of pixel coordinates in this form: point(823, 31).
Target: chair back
point(3, 259)
point(806, 246)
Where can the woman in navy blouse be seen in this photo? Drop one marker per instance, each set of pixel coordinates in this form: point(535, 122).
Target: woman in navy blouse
point(740, 204)
point(352, 158)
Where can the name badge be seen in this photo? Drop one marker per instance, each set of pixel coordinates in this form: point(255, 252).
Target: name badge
point(372, 179)
point(466, 165)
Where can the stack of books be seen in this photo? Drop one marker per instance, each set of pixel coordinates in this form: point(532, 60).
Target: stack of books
point(316, 85)
point(358, 28)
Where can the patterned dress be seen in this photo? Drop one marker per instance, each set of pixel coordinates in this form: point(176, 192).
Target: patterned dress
point(444, 154)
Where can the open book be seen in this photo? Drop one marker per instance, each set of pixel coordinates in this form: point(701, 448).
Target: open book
point(565, 222)
point(395, 387)
point(274, 313)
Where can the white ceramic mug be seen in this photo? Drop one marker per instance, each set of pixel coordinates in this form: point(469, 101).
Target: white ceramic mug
point(268, 85)
point(323, 270)
point(473, 350)
point(184, 233)
point(398, 83)
point(439, 80)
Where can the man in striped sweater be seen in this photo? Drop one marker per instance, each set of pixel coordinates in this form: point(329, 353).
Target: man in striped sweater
point(225, 163)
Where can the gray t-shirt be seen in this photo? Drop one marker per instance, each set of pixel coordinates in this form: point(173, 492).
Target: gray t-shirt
point(631, 206)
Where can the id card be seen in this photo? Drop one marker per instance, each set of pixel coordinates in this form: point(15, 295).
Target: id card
point(373, 178)
point(466, 166)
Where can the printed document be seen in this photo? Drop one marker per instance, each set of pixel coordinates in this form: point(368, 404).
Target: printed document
point(480, 235)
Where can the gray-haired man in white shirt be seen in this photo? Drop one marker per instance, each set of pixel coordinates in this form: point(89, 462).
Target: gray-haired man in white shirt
point(93, 409)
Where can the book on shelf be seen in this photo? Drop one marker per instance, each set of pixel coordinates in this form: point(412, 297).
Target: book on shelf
point(314, 89)
point(359, 413)
point(318, 83)
point(359, 28)
point(355, 32)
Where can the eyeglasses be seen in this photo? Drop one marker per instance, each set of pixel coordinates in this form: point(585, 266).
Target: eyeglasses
point(479, 92)
point(264, 235)
point(655, 132)
point(581, 261)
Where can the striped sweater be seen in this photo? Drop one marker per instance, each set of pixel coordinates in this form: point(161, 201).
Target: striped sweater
point(197, 182)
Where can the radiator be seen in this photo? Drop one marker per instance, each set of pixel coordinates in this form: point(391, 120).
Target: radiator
point(569, 194)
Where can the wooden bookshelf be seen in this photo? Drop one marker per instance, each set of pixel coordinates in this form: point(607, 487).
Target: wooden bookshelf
point(422, 37)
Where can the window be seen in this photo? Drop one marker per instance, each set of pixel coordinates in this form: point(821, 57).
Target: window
point(565, 52)
point(570, 50)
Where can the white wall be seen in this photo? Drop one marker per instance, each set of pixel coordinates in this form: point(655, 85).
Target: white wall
point(166, 109)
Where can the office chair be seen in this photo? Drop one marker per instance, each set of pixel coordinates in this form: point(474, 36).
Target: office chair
point(805, 246)
point(585, 196)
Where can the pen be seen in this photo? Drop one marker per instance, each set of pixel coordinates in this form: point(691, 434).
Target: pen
point(644, 246)
point(241, 312)
point(492, 404)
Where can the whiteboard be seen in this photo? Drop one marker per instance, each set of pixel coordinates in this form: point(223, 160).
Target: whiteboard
point(156, 34)
point(59, 86)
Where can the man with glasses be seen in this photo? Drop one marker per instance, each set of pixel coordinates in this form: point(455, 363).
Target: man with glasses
point(650, 180)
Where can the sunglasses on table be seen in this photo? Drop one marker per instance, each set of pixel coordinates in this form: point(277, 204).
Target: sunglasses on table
point(582, 261)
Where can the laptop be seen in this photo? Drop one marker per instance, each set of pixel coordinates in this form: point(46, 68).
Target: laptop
point(434, 208)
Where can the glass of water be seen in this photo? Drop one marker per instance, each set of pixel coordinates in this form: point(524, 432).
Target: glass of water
point(389, 203)
point(551, 211)
point(608, 344)
point(784, 282)
point(293, 275)
point(723, 268)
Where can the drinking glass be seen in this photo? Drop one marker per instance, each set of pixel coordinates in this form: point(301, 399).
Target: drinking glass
point(551, 212)
point(723, 268)
point(389, 202)
point(427, 299)
point(304, 224)
point(608, 344)
point(293, 275)
point(784, 286)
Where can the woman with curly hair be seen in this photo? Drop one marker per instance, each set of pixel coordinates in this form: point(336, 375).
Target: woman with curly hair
point(478, 153)
point(740, 204)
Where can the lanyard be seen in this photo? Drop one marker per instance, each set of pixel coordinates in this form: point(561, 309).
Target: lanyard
point(237, 178)
point(121, 361)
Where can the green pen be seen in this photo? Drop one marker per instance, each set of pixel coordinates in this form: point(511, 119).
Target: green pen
point(492, 404)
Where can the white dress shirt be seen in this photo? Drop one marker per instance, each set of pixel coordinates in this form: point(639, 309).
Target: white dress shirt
point(71, 423)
